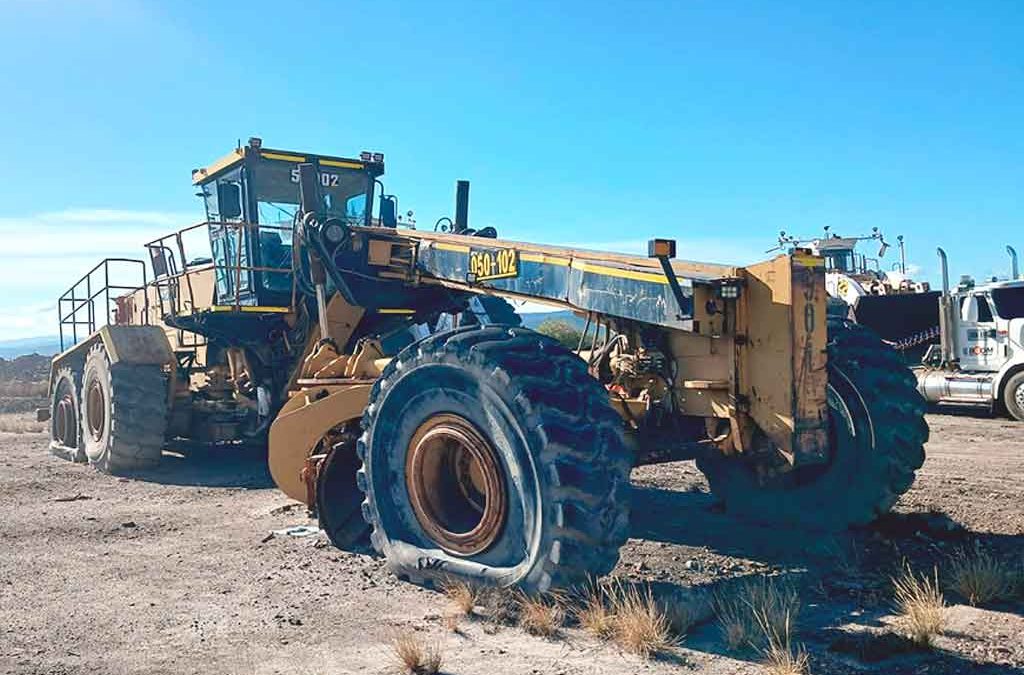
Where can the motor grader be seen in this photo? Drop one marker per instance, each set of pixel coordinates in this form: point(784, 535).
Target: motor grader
point(398, 396)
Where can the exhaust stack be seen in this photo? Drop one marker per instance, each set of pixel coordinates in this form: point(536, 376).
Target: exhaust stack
point(461, 206)
point(1014, 270)
point(945, 307)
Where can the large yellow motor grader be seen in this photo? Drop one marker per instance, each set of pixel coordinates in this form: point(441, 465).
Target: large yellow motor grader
point(400, 397)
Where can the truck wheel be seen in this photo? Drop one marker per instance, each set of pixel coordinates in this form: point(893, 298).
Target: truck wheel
point(489, 454)
point(124, 413)
point(877, 436)
point(65, 436)
point(338, 499)
point(1013, 396)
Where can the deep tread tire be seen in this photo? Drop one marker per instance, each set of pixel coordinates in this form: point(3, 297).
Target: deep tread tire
point(564, 459)
point(868, 473)
point(1013, 398)
point(133, 406)
point(67, 383)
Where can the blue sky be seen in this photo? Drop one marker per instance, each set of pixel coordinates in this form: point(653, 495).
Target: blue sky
point(716, 123)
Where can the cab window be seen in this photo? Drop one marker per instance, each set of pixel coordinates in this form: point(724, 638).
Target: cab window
point(984, 311)
point(1009, 302)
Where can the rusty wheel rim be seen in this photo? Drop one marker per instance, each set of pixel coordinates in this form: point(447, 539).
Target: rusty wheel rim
point(64, 421)
point(455, 485)
point(95, 413)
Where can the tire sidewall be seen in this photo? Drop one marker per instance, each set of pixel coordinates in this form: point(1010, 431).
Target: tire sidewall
point(421, 391)
point(1013, 385)
point(66, 383)
point(97, 373)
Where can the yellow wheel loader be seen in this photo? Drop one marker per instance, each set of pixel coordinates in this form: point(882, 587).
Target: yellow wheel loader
point(399, 397)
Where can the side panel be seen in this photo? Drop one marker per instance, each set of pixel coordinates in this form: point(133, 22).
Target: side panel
point(137, 345)
point(124, 344)
point(592, 283)
point(302, 422)
point(781, 360)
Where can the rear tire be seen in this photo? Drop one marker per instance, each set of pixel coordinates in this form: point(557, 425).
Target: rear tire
point(124, 413)
point(489, 454)
point(879, 433)
point(65, 425)
point(1013, 396)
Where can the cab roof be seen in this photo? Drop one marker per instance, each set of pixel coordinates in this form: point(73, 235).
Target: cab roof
point(371, 162)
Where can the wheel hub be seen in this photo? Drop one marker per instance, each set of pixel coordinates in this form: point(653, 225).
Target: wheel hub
point(64, 421)
point(95, 411)
point(1018, 396)
point(455, 484)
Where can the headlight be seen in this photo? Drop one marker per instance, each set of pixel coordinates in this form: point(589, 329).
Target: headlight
point(334, 232)
point(729, 291)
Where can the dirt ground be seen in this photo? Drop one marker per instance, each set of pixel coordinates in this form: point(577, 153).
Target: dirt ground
point(181, 572)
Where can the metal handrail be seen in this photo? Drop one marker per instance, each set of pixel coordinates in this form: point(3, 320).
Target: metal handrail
point(172, 281)
point(87, 302)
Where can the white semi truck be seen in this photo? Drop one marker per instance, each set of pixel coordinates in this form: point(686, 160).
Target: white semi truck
point(980, 356)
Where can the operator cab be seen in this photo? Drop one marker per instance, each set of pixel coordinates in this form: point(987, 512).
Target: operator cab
point(252, 201)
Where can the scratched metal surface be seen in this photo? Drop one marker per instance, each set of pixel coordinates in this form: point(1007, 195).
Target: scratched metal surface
point(641, 300)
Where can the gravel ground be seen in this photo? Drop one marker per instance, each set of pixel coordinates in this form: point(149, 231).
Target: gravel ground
point(181, 572)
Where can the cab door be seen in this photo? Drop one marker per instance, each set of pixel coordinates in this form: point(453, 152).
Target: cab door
point(230, 240)
point(978, 335)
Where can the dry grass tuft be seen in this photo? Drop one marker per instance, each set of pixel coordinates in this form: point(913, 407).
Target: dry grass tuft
point(920, 605)
point(640, 626)
point(594, 615)
point(416, 657)
point(780, 655)
point(753, 611)
point(462, 595)
point(982, 578)
point(540, 615)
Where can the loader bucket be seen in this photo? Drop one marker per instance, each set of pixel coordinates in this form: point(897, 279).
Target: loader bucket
point(897, 317)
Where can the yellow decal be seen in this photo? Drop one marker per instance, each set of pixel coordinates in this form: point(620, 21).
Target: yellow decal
point(620, 273)
point(485, 264)
point(282, 157)
point(456, 248)
point(542, 258)
point(343, 165)
point(808, 260)
point(259, 309)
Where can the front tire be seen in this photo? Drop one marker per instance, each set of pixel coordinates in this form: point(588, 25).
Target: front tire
point(1013, 396)
point(878, 432)
point(489, 454)
point(124, 413)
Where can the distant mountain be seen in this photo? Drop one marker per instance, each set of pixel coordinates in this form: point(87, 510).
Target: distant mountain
point(47, 346)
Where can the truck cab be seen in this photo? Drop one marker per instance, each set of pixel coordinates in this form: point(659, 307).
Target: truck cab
point(251, 198)
point(990, 332)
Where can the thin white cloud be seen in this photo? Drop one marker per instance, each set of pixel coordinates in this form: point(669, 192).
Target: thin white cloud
point(44, 253)
point(108, 216)
point(85, 231)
